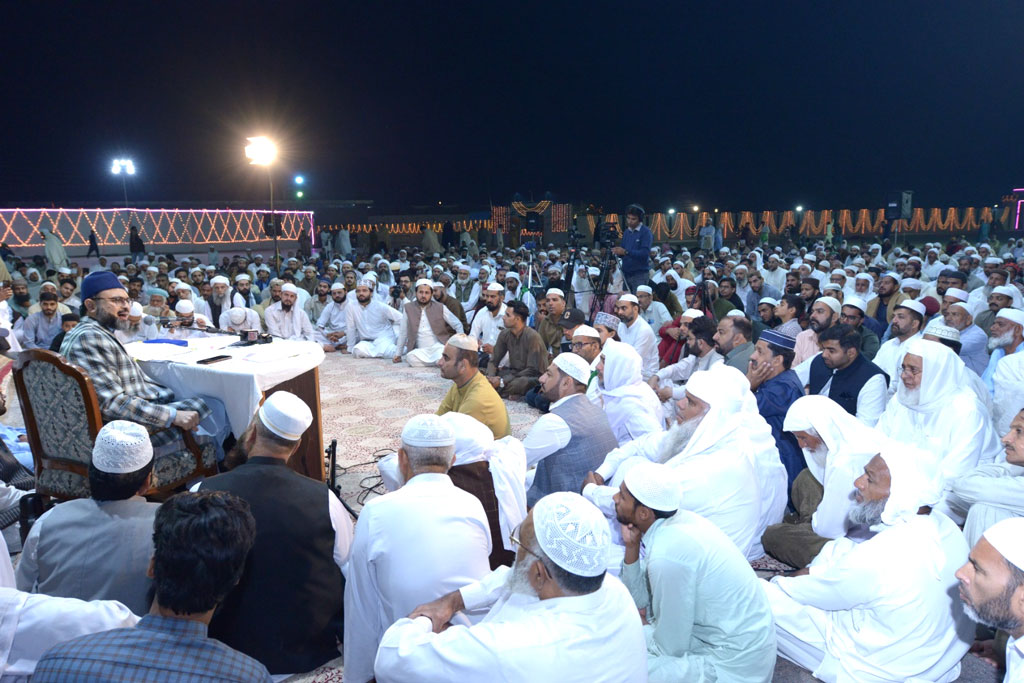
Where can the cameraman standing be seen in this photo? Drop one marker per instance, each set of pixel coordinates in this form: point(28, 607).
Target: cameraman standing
point(635, 249)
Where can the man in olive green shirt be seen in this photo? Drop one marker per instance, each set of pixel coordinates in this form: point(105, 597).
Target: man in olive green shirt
point(471, 393)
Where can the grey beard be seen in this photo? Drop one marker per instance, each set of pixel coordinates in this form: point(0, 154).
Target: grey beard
point(995, 613)
point(518, 581)
point(678, 438)
point(1001, 341)
point(868, 513)
point(223, 301)
point(908, 397)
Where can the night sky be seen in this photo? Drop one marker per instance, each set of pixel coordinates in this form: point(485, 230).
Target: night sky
point(735, 105)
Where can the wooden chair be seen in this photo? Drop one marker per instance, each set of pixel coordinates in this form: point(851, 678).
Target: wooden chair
point(62, 418)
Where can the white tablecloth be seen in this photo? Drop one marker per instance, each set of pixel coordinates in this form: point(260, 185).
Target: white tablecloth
point(238, 383)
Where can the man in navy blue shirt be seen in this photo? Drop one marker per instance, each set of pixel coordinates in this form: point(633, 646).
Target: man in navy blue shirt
point(635, 249)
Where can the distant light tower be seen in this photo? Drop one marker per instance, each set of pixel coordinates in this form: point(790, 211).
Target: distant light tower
point(123, 167)
point(261, 151)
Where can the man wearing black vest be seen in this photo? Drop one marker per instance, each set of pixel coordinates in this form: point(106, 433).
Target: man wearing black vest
point(843, 374)
point(287, 609)
point(427, 325)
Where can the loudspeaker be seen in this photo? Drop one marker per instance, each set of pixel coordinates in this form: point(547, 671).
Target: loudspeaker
point(899, 205)
point(270, 227)
point(534, 222)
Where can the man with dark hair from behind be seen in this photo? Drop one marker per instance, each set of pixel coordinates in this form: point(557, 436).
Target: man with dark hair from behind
point(200, 542)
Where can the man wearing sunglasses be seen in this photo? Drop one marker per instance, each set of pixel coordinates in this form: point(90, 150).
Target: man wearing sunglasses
point(124, 391)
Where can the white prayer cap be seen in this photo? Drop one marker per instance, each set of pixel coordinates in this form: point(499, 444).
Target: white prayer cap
point(424, 282)
point(263, 269)
point(336, 286)
point(915, 306)
point(894, 276)
point(593, 270)
point(495, 287)
point(136, 309)
point(1007, 537)
point(182, 287)
point(556, 291)
point(831, 287)
point(645, 289)
point(242, 276)
point(915, 258)
point(943, 332)
point(426, 431)
point(654, 485)
point(367, 282)
point(143, 262)
point(185, 307)
point(969, 307)
point(209, 268)
point(1014, 315)
point(735, 313)
point(864, 276)
point(574, 366)
point(236, 315)
point(122, 278)
point(912, 283)
point(767, 300)
point(219, 280)
point(993, 260)
point(774, 256)
point(856, 302)
point(1006, 290)
point(464, 342)
point(572, 532)
point(122, 447)
point(810, 257)
point(692, 313)
point(631, 298)
point(64, 270)
point(472, 438)
point(289, 287)
point(513, 275)
point(586, 331)
point(286, 415)
point(831, 302)
point(957, 293)
point(839, 271)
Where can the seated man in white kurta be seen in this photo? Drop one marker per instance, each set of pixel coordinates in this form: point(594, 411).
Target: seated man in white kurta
point(412, 545)
point(330, 326)
point(886, 608)
point(555, 616)
point(370, 324)
point(724, 453)
point(426, 327)
point(286, 318)
point(239, 319)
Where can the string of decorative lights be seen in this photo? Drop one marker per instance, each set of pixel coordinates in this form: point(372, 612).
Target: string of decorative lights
point(20, 227)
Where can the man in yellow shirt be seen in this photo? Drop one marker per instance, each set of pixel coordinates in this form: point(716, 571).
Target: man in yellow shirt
point(471, 393)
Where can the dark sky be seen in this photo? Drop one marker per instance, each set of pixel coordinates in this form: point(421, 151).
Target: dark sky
point(737, 105)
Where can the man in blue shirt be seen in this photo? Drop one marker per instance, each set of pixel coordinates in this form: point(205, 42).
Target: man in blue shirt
point(635, 249)
point(200, 542)
point(42, 326)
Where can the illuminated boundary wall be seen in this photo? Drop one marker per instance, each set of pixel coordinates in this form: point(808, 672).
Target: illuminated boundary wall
point(174, 228)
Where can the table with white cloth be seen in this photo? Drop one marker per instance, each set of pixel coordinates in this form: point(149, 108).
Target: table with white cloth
point(243, 381)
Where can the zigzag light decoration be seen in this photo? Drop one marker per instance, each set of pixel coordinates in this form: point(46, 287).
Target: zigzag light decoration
point(158, 227)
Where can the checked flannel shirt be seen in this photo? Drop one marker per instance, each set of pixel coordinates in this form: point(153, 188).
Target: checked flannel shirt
point(157, 649)
point(124, 391)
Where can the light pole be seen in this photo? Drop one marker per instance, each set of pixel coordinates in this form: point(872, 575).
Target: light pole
point(261, 151)
point(123, 167)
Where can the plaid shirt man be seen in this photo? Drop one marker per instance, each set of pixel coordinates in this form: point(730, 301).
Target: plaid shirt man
point(158, 648)
point(124, 391)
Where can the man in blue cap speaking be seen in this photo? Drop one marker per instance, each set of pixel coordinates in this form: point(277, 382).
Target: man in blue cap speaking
point(124, 391)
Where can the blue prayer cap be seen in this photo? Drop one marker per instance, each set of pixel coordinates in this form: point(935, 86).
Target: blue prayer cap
point(778, 339)
point(101, 280)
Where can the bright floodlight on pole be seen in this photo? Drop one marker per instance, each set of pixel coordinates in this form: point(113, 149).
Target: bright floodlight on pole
point(299, 180)
point(799, 207)
point(671, 212)
point(123, 167)
point(261, 151)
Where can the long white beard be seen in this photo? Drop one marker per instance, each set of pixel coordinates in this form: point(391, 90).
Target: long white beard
point(868, 513)
point(908, 397)
point(1001, 341)
point(462, 281)
point(518, 581)
point(819, 454)
point(223, 301)
point(678, 438)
